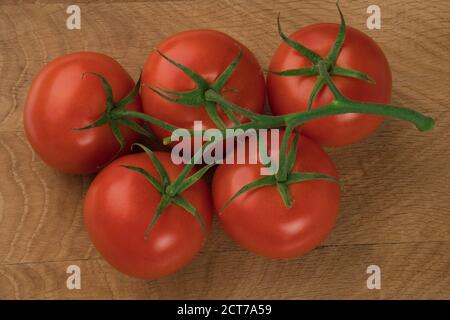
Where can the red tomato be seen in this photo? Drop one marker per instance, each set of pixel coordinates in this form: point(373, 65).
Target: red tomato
point(290, 94)
point(208, 53)
point(61, 99)
point(258, 219)
point(119, 206)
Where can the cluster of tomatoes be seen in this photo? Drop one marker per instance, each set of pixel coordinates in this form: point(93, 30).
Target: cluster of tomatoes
point(147, 216)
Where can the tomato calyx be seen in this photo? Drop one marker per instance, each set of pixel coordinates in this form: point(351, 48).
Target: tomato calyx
point(285, 175)
point(170, 191)
point(115, 113)
point(197, 98)
point(316, 59)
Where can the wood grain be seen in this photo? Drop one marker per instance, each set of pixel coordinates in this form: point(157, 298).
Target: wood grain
point(396, 198)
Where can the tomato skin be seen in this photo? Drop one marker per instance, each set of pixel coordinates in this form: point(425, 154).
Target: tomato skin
point(259, 221)
point(208, 53)
point(291, 94)
point(61, 99)
point(119, 206)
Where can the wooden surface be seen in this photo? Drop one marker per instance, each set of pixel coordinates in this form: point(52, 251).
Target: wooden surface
point(396, 198)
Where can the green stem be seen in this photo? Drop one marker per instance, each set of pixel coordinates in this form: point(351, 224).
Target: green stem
point(283, 190)
point(422, 122)
point(213, 96)
point(337, 106)
point(283, 170)
point(323, 71)
point(143, 116)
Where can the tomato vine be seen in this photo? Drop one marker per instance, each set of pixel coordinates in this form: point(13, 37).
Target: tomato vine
point(209, 96)
point(324, 69)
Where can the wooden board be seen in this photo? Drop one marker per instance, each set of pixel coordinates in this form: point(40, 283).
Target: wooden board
point(396, 197)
